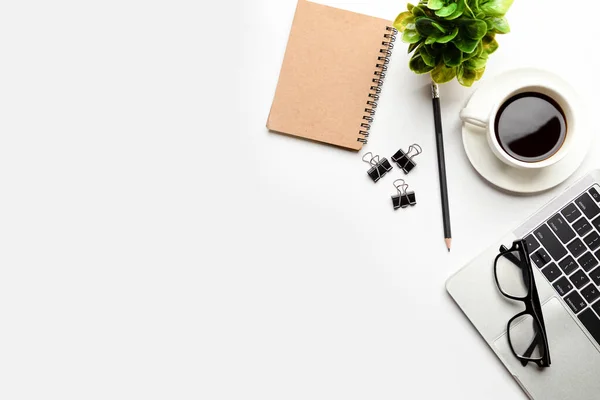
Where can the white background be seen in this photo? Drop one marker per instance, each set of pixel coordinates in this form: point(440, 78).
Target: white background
point(156, 242)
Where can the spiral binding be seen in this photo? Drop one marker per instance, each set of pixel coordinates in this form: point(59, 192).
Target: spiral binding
point(379, 75)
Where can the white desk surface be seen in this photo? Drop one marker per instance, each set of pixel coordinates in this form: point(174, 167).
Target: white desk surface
point(342, 297)
point(158, 243)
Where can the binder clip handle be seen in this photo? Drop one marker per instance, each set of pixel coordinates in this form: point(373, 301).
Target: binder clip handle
point(414, 148)
point(370, 162)
point(373, 161)
point(399, 186)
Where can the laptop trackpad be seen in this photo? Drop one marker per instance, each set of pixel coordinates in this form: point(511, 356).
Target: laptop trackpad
point(575, 366)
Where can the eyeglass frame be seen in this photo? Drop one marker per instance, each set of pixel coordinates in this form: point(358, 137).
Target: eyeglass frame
point(531, 301)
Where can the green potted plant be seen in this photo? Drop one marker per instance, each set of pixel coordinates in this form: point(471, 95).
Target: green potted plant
point(452, 38)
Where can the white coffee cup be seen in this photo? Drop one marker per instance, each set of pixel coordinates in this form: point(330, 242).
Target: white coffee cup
point(480, 119)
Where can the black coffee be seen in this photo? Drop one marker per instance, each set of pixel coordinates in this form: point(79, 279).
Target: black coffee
point(531, 127)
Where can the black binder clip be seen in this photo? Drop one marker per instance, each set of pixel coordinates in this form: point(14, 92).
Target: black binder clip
point(404, 198)
point(405, 160)
point(379, 167)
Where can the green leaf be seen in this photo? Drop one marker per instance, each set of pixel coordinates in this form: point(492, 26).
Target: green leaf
point(403, 20)
point(435, 4)
point(496, 8)
point(413, 46)
point(479, 73)
point(418, 66)
point(478, 50)
point(418, 11)
point(437, 48)
point(428, 27)
point(499, 25)
point(464, 43)
point(440, 27)
point(477, 62)
point(476, 53)
point(443, 74)
point(452, 56)
point(411, 36)
point(460, 9)
point(409, 7)
point(474, 28)
point(490, 44)
point(449, 37)
point(447, 10)
point(428, 58)
point(430, 40)
point(465, 76)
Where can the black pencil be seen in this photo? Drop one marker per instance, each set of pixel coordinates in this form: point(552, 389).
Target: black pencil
point(439, 138)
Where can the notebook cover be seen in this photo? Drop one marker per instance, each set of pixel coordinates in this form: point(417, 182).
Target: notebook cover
point(327, 74)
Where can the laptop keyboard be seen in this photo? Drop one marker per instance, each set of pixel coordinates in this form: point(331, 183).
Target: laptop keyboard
point(566, 249)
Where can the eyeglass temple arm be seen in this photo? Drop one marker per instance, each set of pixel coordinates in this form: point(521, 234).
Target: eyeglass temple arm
point(510, 257)
point(534, 291)
point(538, 310)
point(538, 337)
point(536, 340)
point(517, 262)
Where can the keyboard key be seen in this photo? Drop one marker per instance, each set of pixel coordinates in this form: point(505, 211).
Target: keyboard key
point(591, 323)
point(568, 265)
point(582, 227)
point(595, 275)
point(595, 195)
point(575, 301)
point(596, 223)
point(587, 261)
point(563, 286)
point(579, 279)
point(587, 205)
point(532, 243)
point(596, 307)
point(571, 213)
point(561, 228)
point(590, 293)
point(592, 240)
point(551, 272)
point(540, 257)
point(550, 242)
point(576, 247)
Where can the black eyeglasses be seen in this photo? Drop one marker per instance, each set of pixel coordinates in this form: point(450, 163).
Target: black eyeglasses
point(526, 331)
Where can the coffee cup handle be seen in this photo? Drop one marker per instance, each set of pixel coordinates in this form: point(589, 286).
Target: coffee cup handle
point(471, 117)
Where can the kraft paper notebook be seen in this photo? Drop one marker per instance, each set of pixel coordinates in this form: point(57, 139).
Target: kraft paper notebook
point(331, 76)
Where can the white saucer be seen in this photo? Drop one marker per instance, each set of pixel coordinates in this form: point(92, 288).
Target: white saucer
point(518, 180)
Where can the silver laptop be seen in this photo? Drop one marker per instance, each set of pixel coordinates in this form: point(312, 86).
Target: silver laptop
point(563, 240)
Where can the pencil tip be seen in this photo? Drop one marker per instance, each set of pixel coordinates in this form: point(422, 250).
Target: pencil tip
point(448, 243)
